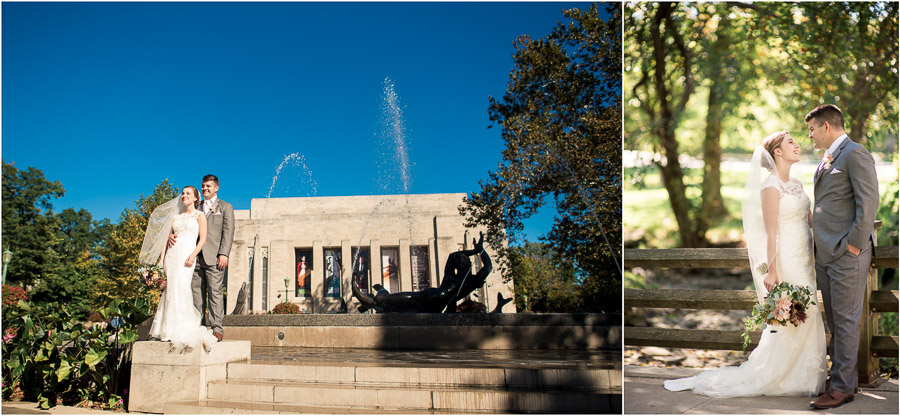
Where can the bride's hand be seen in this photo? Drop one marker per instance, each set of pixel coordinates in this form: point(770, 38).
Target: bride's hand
point(189, 262)
point(771, 280)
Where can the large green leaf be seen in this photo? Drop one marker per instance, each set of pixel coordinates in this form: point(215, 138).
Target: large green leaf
point(128, 336)
point(64, 369)
point(93, 357)
point(28, 323)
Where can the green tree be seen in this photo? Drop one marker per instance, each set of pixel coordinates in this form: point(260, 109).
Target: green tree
point(660, 52)
point(119, 253)
point(842, 53)
point(561, 123)
point(73, 282)
point(542, 283)
point(729, 78)
point(80, 234)
point(29, 224)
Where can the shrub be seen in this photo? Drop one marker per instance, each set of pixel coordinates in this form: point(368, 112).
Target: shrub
point(470, 306)
point(54, 357)
point(286, 308)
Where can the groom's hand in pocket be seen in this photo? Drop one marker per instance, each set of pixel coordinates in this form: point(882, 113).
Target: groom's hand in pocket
point(853, 249)
point(172, 238)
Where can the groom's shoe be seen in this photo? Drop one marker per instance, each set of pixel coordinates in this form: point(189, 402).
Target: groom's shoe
point(831, 400)
point(218, 336)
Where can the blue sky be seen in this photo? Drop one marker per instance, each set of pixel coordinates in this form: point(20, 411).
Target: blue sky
point(110, 99)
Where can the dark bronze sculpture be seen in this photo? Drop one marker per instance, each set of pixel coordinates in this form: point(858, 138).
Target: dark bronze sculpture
point(458, 282)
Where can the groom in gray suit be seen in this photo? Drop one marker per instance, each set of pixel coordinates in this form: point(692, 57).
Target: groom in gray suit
point(210, 271)
point(846, 198)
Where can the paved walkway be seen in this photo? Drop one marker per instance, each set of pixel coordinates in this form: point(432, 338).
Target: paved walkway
point(644, 394)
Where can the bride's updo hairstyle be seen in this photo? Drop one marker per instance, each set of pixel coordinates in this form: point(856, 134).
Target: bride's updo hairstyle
point(773, 142)
point(196, 195)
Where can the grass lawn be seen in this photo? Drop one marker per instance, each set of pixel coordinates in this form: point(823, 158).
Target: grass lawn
point(647, 215)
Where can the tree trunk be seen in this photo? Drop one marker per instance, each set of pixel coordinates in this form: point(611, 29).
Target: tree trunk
point(672, 174)
point(712, 206)
point(857, 131)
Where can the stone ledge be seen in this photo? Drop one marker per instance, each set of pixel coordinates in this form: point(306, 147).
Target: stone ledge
point(160, 353)
point(160, 375)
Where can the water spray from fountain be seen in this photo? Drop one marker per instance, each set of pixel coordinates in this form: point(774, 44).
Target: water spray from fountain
point(296, 160)
point(393, 134)
point(394, 131)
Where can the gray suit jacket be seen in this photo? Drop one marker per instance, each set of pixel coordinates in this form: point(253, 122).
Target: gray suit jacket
point(219, 232)
point(846, 198)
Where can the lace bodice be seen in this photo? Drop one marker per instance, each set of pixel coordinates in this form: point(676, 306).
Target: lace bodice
point(794, 204)
point(186, 223)
point(791, 187)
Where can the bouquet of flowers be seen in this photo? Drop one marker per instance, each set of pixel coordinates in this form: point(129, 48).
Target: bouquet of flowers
point(785, 304)
point(153, 276)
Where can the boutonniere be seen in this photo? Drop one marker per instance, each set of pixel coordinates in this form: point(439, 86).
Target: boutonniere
point(212, 209)
point(827, 159)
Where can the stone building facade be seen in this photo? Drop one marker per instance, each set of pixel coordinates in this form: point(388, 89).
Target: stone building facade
point(303, 249)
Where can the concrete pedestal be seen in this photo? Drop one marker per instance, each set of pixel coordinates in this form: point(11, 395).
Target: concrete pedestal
point(159, 375)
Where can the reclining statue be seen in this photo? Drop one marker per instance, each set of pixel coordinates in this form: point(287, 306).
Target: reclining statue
point(458, 282)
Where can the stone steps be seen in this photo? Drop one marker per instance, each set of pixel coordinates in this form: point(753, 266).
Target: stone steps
point(424, 398)
point(232, 407)
point(267, 387)
point(606, 381)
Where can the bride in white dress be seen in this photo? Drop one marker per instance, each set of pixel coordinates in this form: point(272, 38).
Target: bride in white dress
point(789, 361)
point(177, 320)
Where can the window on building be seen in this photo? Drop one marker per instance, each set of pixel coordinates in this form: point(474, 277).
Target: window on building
point(361, 267)
point(390, 268)
point(332, 272)
point(304, 262)
point(418, 256)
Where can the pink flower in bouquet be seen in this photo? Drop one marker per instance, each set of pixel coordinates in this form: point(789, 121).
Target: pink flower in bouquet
point(783, 308)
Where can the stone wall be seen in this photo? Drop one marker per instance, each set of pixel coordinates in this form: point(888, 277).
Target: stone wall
point(419, 331)
point(281, 226)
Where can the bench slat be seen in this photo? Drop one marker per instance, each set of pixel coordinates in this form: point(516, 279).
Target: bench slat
point(688, 338)
point(884, 300)
point(881, 300)
point(690, 299)
point(722, 258)
point(884, 346)
point(707, 339)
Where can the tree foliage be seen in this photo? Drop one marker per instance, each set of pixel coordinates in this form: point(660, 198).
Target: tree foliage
point(119, 254)
point(661, 52)
point(561, 122)
point(542, 282)
point(842, 53)
point(682, 59)
point(29, 224)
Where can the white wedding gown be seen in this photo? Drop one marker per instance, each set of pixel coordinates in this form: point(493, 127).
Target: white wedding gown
point(791, 360)
point(177, 320)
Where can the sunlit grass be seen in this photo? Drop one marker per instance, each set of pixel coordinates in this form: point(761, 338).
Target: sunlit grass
point(648, 217)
